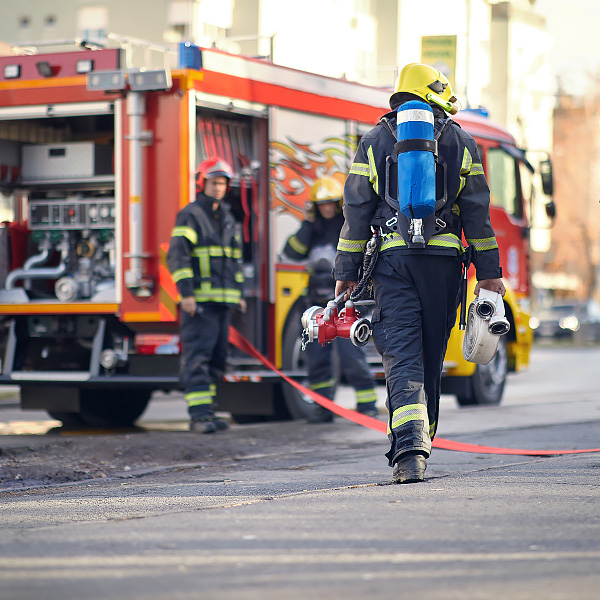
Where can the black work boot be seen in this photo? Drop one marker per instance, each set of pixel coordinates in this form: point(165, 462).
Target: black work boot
point(409, 468)
point(208, 425)
point(321, 415)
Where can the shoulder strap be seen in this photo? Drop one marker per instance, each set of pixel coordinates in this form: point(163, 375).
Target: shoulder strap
point(439, 127)
point(385, 121)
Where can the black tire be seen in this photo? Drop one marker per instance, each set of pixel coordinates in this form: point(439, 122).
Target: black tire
point(298, 405)
point(486, 385)
point(70, 420)
point(112, 408)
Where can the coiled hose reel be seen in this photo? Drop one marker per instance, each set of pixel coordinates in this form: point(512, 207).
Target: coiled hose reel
point(486, 322)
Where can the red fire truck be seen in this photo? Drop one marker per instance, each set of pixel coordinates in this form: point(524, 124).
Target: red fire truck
point(96, 159)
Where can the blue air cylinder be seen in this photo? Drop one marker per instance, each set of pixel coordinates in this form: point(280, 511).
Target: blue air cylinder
point(416, 168)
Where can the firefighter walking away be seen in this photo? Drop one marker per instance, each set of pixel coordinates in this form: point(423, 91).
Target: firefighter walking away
point(421, 210)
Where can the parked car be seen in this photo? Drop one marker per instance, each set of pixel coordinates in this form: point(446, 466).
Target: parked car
point(580, 320)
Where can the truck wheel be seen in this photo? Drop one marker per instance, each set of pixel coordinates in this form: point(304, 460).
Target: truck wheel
point(486, 385)
point(112, 408)
point(69, 419)
point(299, 406)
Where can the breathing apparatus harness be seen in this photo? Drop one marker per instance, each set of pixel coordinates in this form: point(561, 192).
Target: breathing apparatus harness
point(417, 232)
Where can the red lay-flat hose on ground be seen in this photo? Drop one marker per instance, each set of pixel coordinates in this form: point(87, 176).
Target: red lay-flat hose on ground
point(240, 342)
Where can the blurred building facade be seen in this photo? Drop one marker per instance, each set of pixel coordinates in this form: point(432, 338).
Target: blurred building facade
point(572, 265)
point(494, 53)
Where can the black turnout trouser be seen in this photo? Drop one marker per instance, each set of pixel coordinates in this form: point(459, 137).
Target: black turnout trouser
point(204, 341)
point(416, 300)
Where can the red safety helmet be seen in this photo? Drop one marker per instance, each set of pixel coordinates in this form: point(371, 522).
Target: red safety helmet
point(212, 167)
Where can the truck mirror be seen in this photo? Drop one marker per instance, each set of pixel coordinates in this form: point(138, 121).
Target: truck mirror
point(551, 209)
point(547, 177)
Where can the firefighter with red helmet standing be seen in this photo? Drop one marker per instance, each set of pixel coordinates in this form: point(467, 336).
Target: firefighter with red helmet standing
point(204, 258)
point(416, 281)
point(316, 241)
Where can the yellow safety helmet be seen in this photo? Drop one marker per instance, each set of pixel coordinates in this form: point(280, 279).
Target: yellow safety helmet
point(326, 189)
point(427, 83)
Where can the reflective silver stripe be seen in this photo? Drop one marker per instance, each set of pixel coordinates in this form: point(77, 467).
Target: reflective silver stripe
point(206, 293)
point(446, 240)
point(351, 245)
point(363, 396)
point(443, 240)
point(360, 169)
point(199, 398)
point(484, 243)
point(476, 169)
point(414, 114)
point(410, 412)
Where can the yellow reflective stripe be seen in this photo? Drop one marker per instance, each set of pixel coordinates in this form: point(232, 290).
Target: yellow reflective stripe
point(432, 429)
point(213, 389)
point(446, 240)
point(360, 169)
point(391, 240)
point(180, 274)
point(476, 169)
point(363, 396)
point(209, 294)
point(351, 245)
point(465, 167)
point(199, 398)
point(373, 169)
point(410, 412)
point(484, 243)
point(322, 384)
point(298, 246)
point(456, 209)
point(186, 232)
point(467, 161)
point(203, 260)
point(217, 251)
point(239, 277)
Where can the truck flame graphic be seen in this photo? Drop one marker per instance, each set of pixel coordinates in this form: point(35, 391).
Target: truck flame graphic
point(295, 166)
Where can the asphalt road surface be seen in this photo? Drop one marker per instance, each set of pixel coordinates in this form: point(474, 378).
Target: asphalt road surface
point(292, 510)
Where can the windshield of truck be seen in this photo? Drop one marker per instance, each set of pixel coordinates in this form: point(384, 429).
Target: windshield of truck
point(503, 179)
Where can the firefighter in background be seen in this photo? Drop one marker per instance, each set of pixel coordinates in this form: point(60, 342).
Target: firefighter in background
point(205, 260)
point(316, 241)
point(416, 289)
